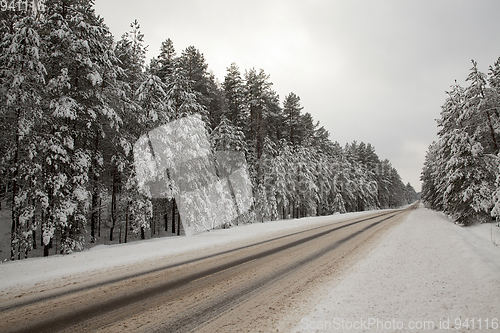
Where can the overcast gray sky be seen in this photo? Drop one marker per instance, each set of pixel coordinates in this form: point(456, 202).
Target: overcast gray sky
point(372, 71)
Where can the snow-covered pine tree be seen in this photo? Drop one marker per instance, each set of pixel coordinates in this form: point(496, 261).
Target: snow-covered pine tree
point(234, 96)
point(324, 182)
point(292, 113)
point(480, 111)
point(80, 72)
point(228, 137)
point(163, 66)
point(257, 93)
point(23, 78)
point(131, 52)
point(306, 177)
point(461, 167)
point(150, 109)
point(182, 98)
point(268, 178)
point(264, 183)
point(203, 84)
point(282, 182)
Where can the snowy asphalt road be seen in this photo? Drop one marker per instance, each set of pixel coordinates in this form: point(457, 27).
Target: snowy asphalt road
point(235, 290)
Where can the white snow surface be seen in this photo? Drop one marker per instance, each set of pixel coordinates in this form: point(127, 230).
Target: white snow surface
point(425, 269)
point(22, 274)
point(427, 274)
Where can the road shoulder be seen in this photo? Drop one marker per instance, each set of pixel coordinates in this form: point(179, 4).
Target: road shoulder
point(425, 270)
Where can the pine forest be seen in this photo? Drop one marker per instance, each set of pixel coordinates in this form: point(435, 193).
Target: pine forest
point(75, 100)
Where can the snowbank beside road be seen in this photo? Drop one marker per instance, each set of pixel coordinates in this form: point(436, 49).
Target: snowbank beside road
point(426, 272)
point(58, 271)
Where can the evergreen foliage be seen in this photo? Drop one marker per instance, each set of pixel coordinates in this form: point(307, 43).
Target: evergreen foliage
point(74, 102)
point(460, 175)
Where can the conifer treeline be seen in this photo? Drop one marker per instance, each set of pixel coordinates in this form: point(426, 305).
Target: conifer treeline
point(461, 176)
point(74, 101)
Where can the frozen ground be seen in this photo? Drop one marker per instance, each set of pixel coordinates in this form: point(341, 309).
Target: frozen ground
point(428, 274)
point(56, 271)
point(426, 271)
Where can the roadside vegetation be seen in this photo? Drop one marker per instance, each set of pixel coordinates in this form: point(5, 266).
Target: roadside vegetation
point(461, 172)
point(74, 100)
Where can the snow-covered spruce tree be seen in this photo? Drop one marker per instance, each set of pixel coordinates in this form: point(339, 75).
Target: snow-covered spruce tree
point(193, 62)
point(155, 111)
point(131, 52)
point(385, 186)
point(410, 193)
point(338, 204)
point(341, 194)
point(480, 111)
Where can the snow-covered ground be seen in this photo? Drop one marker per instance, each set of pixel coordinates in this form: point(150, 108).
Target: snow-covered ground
point(425, 272)
point(428, 274)
point(60, 270)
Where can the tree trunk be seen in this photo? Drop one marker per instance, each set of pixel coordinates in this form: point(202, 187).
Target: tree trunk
point(14, 239)
point(165, 215)
point(492, 132)
point(95, 192)
point(178, 225)
point(113, 205)
point(41, 228)
point(99, 218)
point(154, 203)
point(173, 215)
point(46, 247)
point(95, 211)
point(126, 221)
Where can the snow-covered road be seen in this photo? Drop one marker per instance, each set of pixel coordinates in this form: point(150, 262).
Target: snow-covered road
point(31, 275)
point(424, 274)
point(247, 288)
point(428, 274)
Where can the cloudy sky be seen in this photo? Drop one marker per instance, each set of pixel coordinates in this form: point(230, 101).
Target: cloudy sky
point(372, 71)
